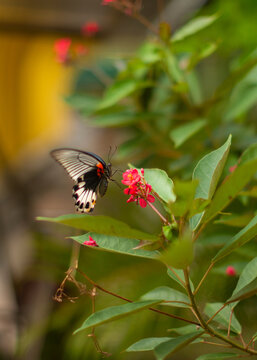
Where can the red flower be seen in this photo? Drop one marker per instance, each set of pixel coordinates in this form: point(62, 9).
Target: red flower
point(90, 242)
point(131, 177)
point(90, 29)
point(138, 189)
point(230, 271)
point(62, 47)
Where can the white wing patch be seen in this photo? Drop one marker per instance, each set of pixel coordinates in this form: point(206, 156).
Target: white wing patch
point(85, 199)
point(75, 162)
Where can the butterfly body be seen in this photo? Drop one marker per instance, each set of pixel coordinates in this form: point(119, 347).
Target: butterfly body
point(90, 173)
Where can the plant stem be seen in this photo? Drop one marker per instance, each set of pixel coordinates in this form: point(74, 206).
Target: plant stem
point(158, 213)
point(206, 326)
point(203, 278)
point(130, 301)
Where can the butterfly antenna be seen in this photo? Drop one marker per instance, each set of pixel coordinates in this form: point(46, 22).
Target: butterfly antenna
point(115, 182)
point(110, 154)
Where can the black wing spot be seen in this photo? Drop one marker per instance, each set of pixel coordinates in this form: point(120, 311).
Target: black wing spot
point(77, 203)
point(81, 206)
point(87, 205)
point(75, 196)
point(75, 187)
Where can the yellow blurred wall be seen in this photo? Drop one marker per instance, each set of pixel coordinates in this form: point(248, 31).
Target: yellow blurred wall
point(32, 86)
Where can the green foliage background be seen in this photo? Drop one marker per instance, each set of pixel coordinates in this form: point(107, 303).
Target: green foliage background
point(176, 101)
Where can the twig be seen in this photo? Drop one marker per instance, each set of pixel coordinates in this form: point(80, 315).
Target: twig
point(203, 278)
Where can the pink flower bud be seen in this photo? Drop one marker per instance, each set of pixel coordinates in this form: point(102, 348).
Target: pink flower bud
point(230, 271)
point(90, 242)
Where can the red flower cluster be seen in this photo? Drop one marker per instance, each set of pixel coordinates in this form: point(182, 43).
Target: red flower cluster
point(138, 189)
point(65, 52)
point(90, 29)
point(90, 242)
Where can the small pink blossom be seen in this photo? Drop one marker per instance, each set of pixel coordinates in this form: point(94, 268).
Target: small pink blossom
point(131, 177)
point(62, 48)
point(90, 28)
point(90, 242)
point(230, 271)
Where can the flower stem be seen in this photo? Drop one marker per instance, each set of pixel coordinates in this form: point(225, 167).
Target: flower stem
point(159, 214)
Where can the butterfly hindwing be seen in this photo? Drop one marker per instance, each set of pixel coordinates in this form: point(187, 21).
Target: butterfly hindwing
point(89, 172)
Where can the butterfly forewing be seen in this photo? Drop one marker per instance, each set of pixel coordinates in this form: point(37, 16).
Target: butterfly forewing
point(89, 172)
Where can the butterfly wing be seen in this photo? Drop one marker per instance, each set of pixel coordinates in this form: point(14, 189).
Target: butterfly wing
point(87, 170)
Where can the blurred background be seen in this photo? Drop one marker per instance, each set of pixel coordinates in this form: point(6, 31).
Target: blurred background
point(35, 118)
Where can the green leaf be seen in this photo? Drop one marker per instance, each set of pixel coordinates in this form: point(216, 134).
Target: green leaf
point(217, 356)
point(249, 154)
point(234, 220)
point(230, 188)
point(100, 224)
point(171, 346)
point(208, 172)
point(184, 330)
point(150, 53)
point(248, 274)
point(84, 103)
point(223, 317)
point(182, 133)
point(161, 184)
point(185, 192)
point(147, 344)
point(115, 312)
point(246, 292)
point(241, 238)
point(180, 253)
point(119, 90)
point(234, 78)
point(117, 244)
point(166, 293)
point(182, 277)
point(241, 103)
point(193, 27)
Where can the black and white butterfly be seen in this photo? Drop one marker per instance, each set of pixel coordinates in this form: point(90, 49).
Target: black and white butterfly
point(90, 173)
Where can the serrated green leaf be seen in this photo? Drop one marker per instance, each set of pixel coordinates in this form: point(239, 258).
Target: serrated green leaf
point(117, 244)
point(147, 344)
point(223, 317)
point(208, 172)
point(193, 27)
point(182, 133)
point(171, 346)
point(161, 184)
point(100, 224)
point(228, 190)
point(244, 235)
point(115, 312)
point(166, 293)
point(217, 356)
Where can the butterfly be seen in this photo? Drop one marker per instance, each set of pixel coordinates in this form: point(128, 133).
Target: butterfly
point(90, 173)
